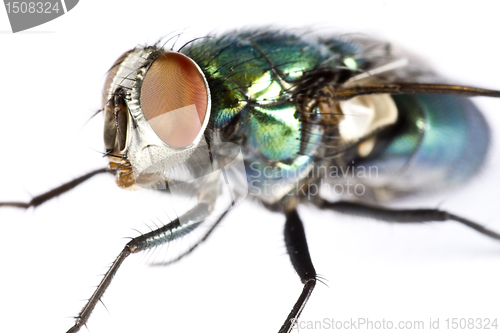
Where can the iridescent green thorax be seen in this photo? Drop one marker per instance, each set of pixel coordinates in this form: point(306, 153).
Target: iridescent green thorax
point(252, 76)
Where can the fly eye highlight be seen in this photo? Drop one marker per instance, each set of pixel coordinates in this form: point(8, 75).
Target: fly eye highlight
point(174, 99)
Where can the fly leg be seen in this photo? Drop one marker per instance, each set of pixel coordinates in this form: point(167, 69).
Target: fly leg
point(167, 233)
point(296, 246)
point(40, 199)
point(404, 215)
point(194, 246)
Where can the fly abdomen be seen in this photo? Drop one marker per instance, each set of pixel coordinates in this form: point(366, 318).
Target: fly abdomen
point(438, 141)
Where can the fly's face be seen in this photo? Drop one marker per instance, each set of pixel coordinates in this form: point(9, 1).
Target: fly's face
point(156, 108)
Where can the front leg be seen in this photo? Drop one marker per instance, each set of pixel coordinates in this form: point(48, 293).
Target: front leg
point(165, 234)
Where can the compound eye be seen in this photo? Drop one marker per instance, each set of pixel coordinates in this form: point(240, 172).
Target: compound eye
point(174, 99)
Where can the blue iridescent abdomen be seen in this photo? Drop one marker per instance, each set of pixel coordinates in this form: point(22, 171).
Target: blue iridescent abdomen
point(438, 141)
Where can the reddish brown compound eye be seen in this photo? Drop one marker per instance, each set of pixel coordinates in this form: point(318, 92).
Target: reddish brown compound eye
point(174, 99)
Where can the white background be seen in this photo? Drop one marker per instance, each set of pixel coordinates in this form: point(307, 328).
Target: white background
point(241, 279)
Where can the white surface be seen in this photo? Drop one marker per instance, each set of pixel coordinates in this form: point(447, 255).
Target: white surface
point(241, 279)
